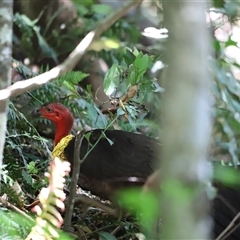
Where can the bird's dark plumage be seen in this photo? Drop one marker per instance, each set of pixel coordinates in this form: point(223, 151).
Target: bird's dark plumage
point(108, 167)
point(130, 155)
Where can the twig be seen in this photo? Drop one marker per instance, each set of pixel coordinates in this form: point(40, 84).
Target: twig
point(33, 204)
point(74, 180)
point(231, 231)
point(92, 202)
point(230, 225)
point(98, 140)
point(109, 110)
point(8, 204)
point(99, 229)
point(75, 175)
point(221, 198)
point(21, 87)
point(119, 227)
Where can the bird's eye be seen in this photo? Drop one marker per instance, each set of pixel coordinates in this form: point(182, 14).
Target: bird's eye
point(49, 109)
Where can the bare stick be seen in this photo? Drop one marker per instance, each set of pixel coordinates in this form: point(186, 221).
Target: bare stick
point(89, 201)
point(232, 230)
point(74, 180)
point(21, 87)
point(230, 225)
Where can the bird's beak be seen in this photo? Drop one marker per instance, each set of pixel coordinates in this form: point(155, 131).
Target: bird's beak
point(36, 113)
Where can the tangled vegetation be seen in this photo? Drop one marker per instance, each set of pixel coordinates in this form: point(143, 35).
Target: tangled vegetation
point(130, 68)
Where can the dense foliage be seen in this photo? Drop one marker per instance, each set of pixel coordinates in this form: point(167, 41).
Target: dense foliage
point(131, 86)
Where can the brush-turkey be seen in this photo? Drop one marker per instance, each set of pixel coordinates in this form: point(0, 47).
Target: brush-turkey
point(120, 155)
point(117, 155)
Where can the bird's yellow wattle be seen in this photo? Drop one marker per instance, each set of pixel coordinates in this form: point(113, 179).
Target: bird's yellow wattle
point(58, 150)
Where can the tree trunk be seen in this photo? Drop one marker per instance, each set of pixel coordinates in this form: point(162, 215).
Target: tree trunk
point(186, 123)
point(6, 17)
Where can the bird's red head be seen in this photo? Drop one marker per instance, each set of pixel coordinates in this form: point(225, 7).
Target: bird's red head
point(60, 115)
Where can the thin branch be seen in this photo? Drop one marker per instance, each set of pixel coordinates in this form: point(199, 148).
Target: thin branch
point(99, 229)
point(75, 174)
point(92, 202)
point(21, 87)
point(221, 198)
point(119, 227)
point(109, 110)
point(231, 231)
point(230, 225)
point(74, 180)
point(8, 204)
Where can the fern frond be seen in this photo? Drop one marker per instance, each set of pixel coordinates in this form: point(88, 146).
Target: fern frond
point(31, 131)
point(73, 77)
point(51, 199)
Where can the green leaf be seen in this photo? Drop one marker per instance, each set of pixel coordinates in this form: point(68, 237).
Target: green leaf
point(27, 177)
point(136, 201)
point(135, 52)
point(132, 75)
point(132, 111)
point(106, 236)
point(230, 42)
point(14, 226)
point(111, 79)
point(71, 87)
point(81, 9)
point(156, 87)
point(85, 2)
point(78, 77)
point(44, 45)
point(227, 175)
point(120, 112)
point(217, 45)
point(141, 63)
point(103, 9)
point(108, 139)
point(32, 167)
point(218, 3)
point(87, 136)
point(103, 117)
point(73, 77)
point(64, 236)
point(89, 88)
point(28, 21)
point(23, 23)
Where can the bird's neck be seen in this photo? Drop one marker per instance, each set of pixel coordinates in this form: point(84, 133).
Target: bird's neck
point(62, 129)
